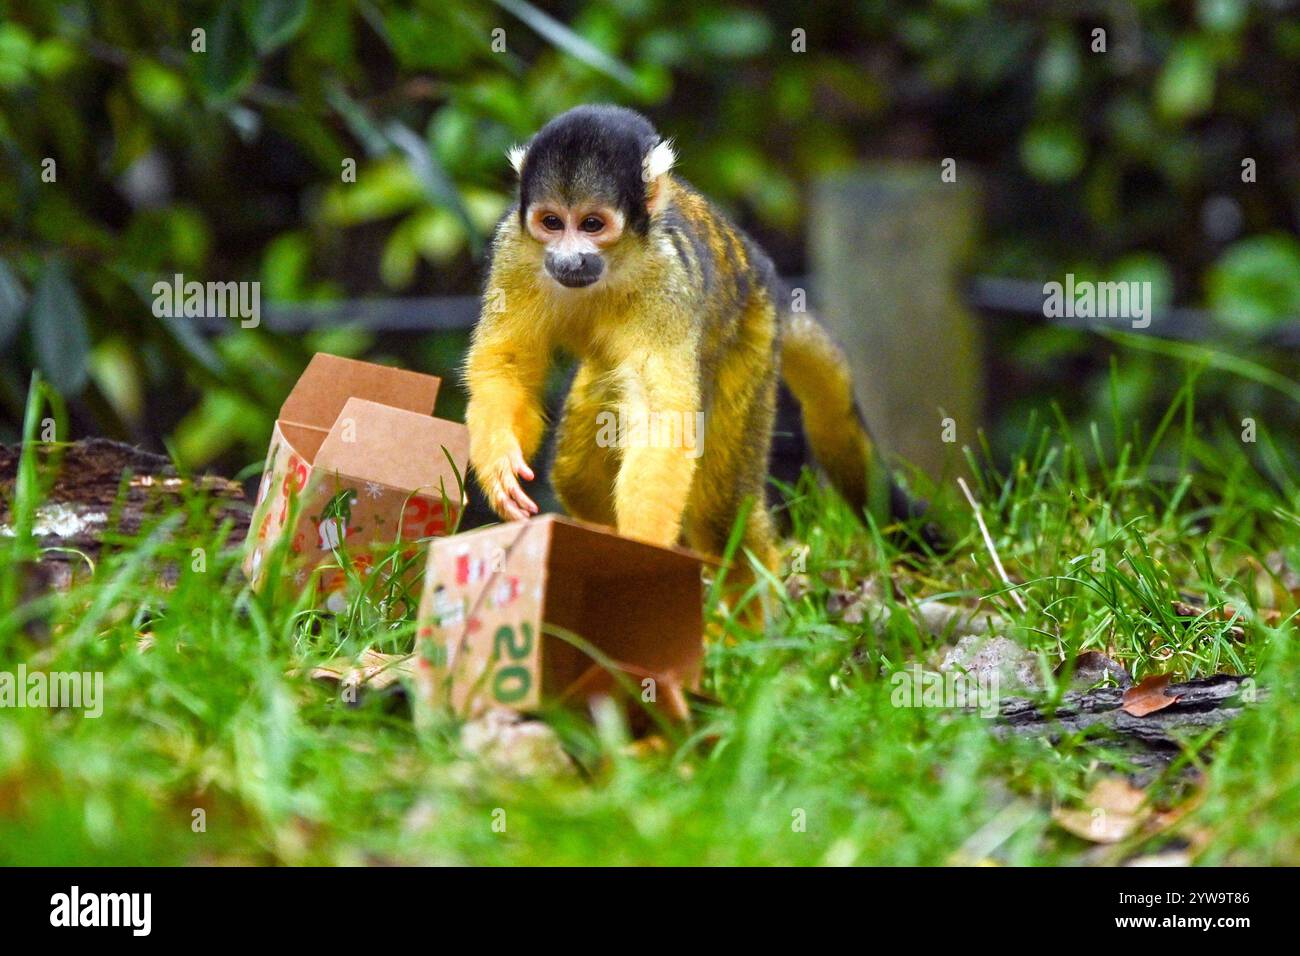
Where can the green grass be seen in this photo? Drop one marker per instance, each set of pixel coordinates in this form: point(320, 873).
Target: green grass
point(1100, 535)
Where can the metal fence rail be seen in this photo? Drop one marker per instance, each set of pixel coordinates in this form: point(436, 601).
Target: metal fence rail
point(985, 294)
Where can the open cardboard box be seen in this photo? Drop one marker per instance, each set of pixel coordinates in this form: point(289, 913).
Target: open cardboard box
point(357, 445)
point(498, 603)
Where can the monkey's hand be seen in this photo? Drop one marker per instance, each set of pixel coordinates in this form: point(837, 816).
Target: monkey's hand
point(499, 474)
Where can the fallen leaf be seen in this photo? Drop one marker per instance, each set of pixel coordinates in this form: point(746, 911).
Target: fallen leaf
point(1113, 810)
point(1148, 696)
point(374, 670)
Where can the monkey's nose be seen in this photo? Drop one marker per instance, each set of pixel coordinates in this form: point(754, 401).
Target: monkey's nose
point(575, 270)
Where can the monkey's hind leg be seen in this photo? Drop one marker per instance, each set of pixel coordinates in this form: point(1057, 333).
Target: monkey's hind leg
point(734, 471)
point(584, 472)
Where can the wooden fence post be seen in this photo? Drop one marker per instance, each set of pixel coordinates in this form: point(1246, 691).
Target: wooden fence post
point(888, 248)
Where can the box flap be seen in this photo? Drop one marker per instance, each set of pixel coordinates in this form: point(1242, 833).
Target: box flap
point(330, 380)
point(639, 604)
point(395, 447)
point(598, 681)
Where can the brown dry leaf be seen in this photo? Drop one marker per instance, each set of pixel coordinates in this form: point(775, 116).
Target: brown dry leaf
point(374, 670)
point(1112, 811)
point(1148, 696)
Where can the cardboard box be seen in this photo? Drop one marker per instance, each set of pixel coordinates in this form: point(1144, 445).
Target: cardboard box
point(493, 598)
point(357, 445)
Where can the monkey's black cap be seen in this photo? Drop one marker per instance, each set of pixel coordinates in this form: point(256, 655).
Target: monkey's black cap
point(590, 152)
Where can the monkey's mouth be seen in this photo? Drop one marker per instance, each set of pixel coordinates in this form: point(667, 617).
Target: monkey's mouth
point(575, 280)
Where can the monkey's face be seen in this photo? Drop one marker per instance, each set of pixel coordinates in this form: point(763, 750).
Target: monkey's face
point(589, 182)
point(575, 239)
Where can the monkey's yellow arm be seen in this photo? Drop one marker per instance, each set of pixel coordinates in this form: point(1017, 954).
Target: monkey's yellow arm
point(505, 372)
point(658, 386)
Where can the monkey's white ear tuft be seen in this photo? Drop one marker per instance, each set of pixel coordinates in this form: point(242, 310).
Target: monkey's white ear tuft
point(516, 156)
point(658, 161)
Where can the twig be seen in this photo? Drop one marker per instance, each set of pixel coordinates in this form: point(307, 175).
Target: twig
point(988, 541)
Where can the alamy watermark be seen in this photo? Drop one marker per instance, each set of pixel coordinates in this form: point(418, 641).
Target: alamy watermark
point(83, 690)
point(633, 428)
point(75, 908)
point(1085, 299)
point(179, 299)
point(916, 687)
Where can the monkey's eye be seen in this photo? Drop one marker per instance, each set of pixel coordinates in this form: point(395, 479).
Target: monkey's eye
point(592, 224)
point(552, 222)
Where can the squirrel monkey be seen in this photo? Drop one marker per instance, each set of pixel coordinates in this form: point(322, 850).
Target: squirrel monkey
point(675, 317)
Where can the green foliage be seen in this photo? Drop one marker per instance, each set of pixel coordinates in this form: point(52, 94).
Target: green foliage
point(1256, 285)
point(222, 155)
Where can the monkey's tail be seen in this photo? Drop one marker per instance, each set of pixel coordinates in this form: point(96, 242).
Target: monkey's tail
point(817, 372)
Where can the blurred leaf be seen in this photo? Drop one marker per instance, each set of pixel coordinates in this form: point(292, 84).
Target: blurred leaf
point(453, 135)
point(222, 419)
point(358, 121)
point(486, 207)
point(666, 47)
point(398, 261)
point(438, 187)
point(273, 23)
point(284, 267)
point(13, 300)
point(382, 189)
point(1053, 152)
point(180, 331)
point(1185, 87)
point(422, 42)
point(229, 64)
point(113, 368)
point(1131, 126)
point(1221, 16)
point(1255, 285)
point(733, 34)
point(1058, 66)
point(352, 341)
point(1146, 267)
point(15, 54)
point(246, 122)
point(59, 333)
point(569, 42)
point(437, 234)
point(53, 57)
point(156, 87)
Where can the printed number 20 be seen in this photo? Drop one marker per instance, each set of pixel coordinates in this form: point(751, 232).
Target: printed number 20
point(512, 683)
